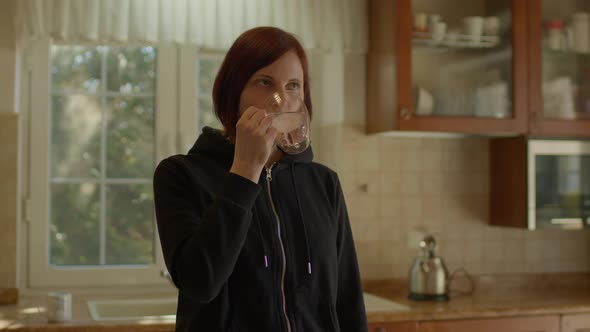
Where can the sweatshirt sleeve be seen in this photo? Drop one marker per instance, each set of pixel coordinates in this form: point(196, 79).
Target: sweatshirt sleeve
point(201, 239)
point(350, 305)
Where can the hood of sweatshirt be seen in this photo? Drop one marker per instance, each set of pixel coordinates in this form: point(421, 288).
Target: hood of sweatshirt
point(214, 145)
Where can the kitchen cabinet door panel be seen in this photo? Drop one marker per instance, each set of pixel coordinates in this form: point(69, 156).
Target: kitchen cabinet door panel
point(518, 324)
point(393, 327)
point(575, 323)
point(559, 68)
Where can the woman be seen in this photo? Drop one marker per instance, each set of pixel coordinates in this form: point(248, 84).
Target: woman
point(254, 239)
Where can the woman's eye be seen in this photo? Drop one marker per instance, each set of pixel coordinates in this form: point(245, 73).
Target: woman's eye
point(264, 82)
point(293, 86)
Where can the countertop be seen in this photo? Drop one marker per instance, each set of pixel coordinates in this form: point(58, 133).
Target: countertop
point(490, 296)
point(494, 297)
point(501, 303)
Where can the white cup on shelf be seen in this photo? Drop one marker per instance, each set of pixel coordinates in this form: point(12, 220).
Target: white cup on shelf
point(439, 31)
point(432, 21)
point(491, 26)
point(420, 22)
point(558, 98)
point(581, 32)
point(473, 27)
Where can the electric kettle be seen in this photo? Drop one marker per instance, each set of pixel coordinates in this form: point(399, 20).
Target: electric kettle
point(429, 278)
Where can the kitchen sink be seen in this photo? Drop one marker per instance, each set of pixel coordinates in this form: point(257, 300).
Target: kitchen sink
point(164, 309)
point(137, 309)
point(375, 303)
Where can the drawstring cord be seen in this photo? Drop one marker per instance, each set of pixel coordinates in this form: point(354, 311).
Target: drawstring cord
point(261, 237)
point(302, 219)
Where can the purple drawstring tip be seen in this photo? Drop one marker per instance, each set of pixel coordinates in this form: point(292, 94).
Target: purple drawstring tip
point(309, 267)
point(265, 261)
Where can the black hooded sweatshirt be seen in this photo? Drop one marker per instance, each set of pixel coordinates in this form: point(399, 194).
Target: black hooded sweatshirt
point(267, 257)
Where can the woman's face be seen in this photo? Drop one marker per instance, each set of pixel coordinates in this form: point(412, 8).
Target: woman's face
point(284, 76)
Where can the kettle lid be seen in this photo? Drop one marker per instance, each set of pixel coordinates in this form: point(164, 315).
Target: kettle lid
point(428, 246)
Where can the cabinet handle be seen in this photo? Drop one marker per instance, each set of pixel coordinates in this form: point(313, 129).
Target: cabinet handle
point(406, 114)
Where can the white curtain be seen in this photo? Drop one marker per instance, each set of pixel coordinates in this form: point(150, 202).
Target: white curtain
point(320, 24)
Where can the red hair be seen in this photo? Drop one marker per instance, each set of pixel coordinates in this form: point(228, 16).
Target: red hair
point(253, 50)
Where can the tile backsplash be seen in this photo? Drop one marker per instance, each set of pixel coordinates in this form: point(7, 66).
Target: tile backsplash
point(396, 186)
point(8, 199)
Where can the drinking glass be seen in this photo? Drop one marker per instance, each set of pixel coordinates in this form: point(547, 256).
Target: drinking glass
point(290, 118)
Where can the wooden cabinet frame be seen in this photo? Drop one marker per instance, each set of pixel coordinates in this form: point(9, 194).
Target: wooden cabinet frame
point(389, 71)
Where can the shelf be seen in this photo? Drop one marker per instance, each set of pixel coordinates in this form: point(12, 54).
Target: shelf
point(460, 42)
point(547, 51)
point(565, 57)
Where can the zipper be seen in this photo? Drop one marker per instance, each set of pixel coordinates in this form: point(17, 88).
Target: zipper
point(284, 265)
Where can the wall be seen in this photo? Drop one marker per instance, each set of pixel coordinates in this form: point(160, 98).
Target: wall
point(8, 199)
point(9, 137)
point(7, 57)
point(397, 185)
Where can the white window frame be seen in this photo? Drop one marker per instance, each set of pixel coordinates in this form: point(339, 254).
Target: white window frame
point(40, 272)
point(188, 89)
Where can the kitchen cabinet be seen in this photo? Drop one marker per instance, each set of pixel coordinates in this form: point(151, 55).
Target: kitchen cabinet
point(469, 77)
point(559, 68)
point(393, 327)
point(434, 66)
point(517, 324)
point(539, 184)
point(575, 323)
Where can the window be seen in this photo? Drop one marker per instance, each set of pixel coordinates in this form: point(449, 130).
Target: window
point(101, 118)
point(102, 154)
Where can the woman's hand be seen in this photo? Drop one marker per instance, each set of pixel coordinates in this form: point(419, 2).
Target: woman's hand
point(254, 143)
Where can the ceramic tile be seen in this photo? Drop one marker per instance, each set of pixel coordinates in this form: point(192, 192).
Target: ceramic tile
point(432, 161)
point(390, 161)
point(410, 184)
point(390, 183)
point(432, 183)
point(411, 161)
point(441, 186)
point(389, 206)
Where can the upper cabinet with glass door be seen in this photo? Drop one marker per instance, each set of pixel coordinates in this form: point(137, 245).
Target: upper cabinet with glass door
point(559, 68)
point(447, 65)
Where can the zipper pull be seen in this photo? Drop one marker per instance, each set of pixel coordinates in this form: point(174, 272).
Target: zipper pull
point(268, 174)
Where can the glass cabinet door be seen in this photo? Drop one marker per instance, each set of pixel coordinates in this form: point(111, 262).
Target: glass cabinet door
point(559, 72)
point(448, 66)
point(462, 58)
point(566, 59)
point(466, 66)
point(562, 191)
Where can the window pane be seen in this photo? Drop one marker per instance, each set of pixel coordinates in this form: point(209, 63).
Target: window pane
point(208, 68)
point(130, 224)
point(74, 224)
point(130, 137)
point(131, 69)
point(76, 68)
point(76, 122)
point(103, 137)
point(206, 115)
